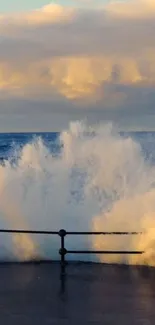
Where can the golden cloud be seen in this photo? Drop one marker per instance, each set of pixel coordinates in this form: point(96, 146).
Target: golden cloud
point(79, 54)
point(131, 9)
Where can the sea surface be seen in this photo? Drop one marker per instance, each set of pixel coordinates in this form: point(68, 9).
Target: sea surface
point(11, 142)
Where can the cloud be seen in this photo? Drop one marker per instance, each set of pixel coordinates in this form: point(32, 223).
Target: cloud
point(52, 13)
point(131, 9)
point(100, 60)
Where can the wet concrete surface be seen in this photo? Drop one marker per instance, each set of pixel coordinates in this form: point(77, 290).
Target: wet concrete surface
point(88, 294)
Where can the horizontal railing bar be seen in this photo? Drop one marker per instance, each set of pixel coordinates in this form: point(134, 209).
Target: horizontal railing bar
point(103, 233)
point(22, 231)
point(48, 232)
point(104, 252)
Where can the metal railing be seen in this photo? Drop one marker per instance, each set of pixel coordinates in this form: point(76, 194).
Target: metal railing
point(62, 233)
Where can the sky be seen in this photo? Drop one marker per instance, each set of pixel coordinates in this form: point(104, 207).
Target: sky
point(78, 59)
point(21, 5)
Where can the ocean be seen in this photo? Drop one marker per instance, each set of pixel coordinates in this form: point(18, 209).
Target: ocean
point(86, 178)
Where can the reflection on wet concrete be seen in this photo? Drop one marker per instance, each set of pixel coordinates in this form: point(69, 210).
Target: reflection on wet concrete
point(86, 294)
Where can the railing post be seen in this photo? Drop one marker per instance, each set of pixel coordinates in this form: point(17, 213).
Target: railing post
point(62, 250)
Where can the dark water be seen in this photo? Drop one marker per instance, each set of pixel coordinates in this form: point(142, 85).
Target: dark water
point(90, 294)
point(10, 142)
